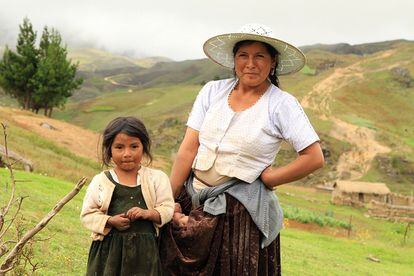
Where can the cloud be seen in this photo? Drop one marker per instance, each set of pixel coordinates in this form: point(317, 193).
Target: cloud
point(177, 29)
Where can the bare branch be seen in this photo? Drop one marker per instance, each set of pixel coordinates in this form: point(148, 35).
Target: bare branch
point(20, 201)
point(3, 248)
point(8, 263)
point(28, 255)
point(13, 183)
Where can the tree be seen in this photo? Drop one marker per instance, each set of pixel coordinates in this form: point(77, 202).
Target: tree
point(55, 79)
point(38, 77)
point(17, 69)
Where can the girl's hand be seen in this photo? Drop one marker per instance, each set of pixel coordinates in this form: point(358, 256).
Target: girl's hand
point(121, 222)
point(137, 213)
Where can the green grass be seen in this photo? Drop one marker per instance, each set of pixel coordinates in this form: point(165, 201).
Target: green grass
point(164, 111)
point(353, 119)
point(305, 253)
point(308, 71)
point(66, 243)
point(102, 108)
point(153, 105)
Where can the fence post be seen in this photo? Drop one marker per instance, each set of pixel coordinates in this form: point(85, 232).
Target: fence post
point(350, 226)
point(406, 231)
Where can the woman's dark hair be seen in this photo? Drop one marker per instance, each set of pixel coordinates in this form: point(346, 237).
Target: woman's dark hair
point(270, 49)
point(130, 126)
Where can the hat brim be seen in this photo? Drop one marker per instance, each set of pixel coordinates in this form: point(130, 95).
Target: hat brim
point(220, 50)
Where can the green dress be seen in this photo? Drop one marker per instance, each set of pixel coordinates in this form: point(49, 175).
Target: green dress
point(130, 252)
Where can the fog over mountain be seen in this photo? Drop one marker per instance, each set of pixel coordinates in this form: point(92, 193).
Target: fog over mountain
point(178, 29)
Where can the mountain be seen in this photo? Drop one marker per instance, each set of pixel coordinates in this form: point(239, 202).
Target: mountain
point(185, 72)
point(358, 49)
point(360, 99)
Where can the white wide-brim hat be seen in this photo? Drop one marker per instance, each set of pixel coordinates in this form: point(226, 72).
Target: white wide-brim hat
point(220, 48)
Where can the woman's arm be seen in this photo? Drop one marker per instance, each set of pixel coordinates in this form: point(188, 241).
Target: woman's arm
point(309, 160)
point(184, 160)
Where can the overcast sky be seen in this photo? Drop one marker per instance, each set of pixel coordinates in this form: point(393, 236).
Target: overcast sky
point(177, 29)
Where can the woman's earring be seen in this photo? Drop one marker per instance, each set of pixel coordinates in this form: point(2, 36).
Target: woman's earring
point(272, 72)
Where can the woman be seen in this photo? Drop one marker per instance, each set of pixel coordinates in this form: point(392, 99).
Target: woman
point(233, 134)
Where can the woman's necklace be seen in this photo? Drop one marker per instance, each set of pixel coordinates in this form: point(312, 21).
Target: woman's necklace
point(237, 108)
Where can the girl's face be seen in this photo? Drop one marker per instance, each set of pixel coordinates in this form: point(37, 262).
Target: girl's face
point(127, 152)
point(252, 63)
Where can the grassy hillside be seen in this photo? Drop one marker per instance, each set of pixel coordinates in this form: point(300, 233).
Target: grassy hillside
point(307, 249)
point(379, 102)
point(163, 109)
point(360, 90)
point(95, 60)
point(57, 157)
point(63, 245)
point(183, 72)
point(96, 65)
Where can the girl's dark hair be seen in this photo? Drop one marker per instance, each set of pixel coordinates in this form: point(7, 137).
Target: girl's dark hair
point(130, 126)
point(270, 49)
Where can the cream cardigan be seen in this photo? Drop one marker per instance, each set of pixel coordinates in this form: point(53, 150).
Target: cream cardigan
point(156, 190)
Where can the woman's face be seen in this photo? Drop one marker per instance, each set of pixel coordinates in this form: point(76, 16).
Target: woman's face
point(252, 63)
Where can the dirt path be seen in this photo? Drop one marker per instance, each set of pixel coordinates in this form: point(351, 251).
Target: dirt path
point(356, 162)
point(109, 79)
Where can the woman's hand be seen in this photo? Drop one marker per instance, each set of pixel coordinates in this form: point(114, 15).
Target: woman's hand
point(121, 222)
point(266, 177)
point(309, 160)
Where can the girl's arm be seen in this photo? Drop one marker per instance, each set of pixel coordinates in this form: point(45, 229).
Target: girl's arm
point(92, 217)
point(309, 160)
point(184, 160)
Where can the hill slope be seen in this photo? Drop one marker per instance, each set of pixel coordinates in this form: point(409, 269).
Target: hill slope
point(307, 249)
point(354, 102)
point(68, 152)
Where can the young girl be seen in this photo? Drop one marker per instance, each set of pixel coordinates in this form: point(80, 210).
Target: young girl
point(125, 206)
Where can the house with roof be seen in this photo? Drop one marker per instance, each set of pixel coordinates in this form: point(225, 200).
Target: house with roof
point(357, 193)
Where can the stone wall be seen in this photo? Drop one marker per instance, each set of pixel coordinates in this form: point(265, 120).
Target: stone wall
point(397, 199)
point(391, 212)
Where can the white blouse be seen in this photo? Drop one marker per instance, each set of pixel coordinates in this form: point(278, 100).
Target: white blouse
point(242, 144)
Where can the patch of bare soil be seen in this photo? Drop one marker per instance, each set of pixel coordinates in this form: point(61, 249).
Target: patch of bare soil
point(80, 141)
point(356, 162)
point(315, 228)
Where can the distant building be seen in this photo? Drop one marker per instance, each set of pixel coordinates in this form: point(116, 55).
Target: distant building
point(355, 193)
